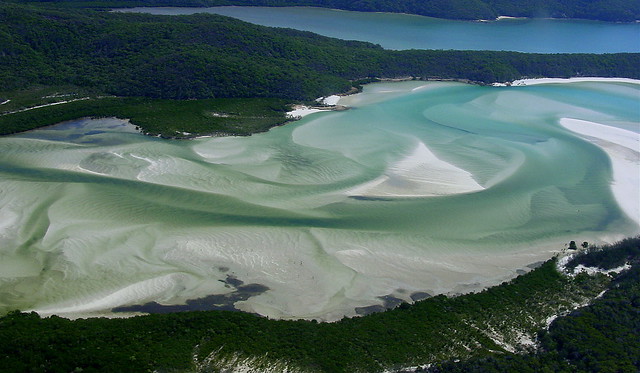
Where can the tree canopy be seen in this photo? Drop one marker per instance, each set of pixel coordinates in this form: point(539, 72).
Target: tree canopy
point(211, 56)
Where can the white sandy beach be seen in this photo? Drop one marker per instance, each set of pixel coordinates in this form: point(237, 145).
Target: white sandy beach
point(524, 82)
point(329, 100)
point(623, 148)
point(508, 17)
point(301, 111)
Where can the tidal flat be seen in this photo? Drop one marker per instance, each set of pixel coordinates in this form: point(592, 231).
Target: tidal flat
point(422, 187)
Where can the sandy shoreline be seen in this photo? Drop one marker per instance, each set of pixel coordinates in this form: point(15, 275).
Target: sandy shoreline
point(301, 111)
point(623, 148)
point(526, 82)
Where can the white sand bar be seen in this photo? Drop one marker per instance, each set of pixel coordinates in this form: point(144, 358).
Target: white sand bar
point(523, 82)
point(508, 17)
point(329, 100)
point(301, 111)
point(623, 147)
point(420, 174)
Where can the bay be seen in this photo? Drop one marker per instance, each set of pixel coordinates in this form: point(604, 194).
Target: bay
point(403, 31)
point(435, 187)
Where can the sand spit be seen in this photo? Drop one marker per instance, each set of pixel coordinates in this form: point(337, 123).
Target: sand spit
point(525, 82)
point(623, 148)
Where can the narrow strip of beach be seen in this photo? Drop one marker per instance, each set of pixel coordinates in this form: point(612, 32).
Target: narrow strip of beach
point(623, 148)
point(537, 81)
point(301, 111)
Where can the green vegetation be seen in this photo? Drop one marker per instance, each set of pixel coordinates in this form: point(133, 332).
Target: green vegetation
point(185, 118)
point(436, 329)
point(607, 256)
point(619, 10)
point(51, 55)
point(167, 118)
point(602, 337)
point(210, 56)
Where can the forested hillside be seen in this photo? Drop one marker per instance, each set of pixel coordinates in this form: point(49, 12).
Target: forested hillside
point(602, 337)
point(210, 56)
point(605, 10)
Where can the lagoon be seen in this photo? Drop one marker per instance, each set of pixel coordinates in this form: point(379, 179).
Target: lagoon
point(422, 187)
point(403, 31)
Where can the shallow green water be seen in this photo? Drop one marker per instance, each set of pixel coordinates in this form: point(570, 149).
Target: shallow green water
point(95, 216)
point(404, 31)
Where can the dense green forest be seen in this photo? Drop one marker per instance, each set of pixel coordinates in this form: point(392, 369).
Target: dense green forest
point(76, 52)
point(485, 330)
point(210, 56)
point(167, 118)
point(605, 10)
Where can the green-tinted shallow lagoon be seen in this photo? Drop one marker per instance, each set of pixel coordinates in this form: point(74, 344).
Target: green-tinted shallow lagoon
point(421, 187)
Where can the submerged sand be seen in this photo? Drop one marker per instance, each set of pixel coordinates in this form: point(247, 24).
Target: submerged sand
point(277, 210)
point(420, 174)
point(623, 148)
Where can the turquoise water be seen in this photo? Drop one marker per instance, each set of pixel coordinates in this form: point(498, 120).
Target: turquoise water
point(421, 187)
point(402, 31)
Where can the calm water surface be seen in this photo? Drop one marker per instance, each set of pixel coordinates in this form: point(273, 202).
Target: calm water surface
point(401, 31)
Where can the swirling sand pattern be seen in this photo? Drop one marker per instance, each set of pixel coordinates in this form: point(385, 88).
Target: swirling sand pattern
point(420, 188)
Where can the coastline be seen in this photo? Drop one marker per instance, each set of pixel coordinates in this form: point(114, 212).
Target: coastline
point(537, 81)
point(623, 148)
point(620, 145)
point(134, 9)
point(329, 103)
